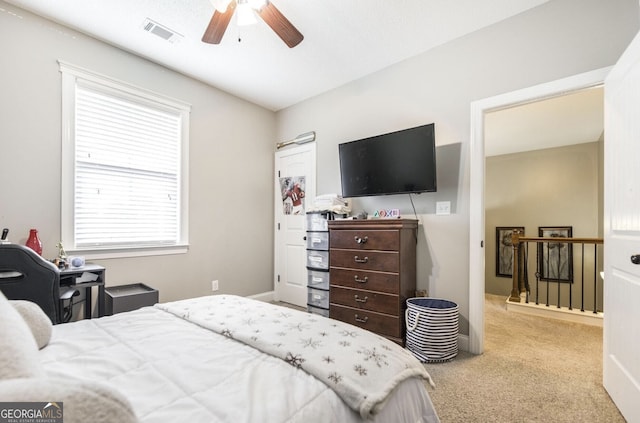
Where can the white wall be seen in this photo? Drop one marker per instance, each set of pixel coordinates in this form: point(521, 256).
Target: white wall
point(231, 163)
point(558, 39)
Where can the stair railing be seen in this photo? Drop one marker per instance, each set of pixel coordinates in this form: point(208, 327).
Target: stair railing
point(548, 278)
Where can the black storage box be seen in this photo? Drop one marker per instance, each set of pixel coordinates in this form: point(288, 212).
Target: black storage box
point(129, 297)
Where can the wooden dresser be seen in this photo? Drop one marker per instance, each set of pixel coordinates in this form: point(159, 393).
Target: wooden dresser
point(372, 273)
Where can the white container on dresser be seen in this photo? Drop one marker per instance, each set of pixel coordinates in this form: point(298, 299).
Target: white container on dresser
point(318, 262)
point(372, 273)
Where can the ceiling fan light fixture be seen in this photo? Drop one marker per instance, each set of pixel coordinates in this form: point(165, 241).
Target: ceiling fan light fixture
point(220, 5)
point(270, 14)
point(246, 15)
point(257, 4)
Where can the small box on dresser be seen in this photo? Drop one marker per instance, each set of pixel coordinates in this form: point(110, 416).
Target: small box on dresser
point(372, 273)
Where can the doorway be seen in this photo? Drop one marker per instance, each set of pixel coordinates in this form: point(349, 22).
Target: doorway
point(544, 167)
point(295, 189)
point(477, 181)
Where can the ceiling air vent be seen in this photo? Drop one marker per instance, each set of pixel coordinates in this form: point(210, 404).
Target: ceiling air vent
point(161, 31)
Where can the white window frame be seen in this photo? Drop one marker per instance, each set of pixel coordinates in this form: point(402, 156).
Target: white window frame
point(71, 74)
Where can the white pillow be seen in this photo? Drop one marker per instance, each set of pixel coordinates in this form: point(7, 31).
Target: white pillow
point(82, 401)
point(18, 349)
point(40, 325)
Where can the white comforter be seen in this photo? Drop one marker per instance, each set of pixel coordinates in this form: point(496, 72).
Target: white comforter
point(361, 367)
point(175, 371)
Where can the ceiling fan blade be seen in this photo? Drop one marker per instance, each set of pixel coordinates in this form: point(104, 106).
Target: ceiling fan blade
point(218, 25)
point(280, 25)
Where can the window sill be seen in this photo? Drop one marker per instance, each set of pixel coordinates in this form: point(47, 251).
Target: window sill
point(112, 253)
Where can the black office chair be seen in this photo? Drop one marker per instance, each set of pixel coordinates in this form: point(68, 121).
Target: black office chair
point(24, 275)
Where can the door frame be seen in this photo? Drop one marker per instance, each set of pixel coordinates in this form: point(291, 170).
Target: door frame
point(477, 182)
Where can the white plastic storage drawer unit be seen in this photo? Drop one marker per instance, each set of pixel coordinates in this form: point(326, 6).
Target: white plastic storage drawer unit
point(318, 241)
point(318, 259)
point(317, 221)
point(318, 298)
point(317, 238)
point(318, 310)
point(317, 279)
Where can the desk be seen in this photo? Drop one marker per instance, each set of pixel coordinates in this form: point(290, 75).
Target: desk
point(86, 277)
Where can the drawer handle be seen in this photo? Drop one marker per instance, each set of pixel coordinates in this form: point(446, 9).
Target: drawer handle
point(361, 300)
point(361, 240)
point(366, 278)
point(361, 320)
point(361, 260)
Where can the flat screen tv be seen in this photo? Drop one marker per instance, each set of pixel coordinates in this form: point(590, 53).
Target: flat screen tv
point(394, 163)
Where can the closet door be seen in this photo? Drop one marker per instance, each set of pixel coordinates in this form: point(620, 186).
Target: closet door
point(295, 189)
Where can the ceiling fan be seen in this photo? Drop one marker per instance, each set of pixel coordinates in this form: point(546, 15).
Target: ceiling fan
point(224, 10)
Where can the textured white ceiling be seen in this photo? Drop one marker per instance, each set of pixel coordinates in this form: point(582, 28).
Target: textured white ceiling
point(344, 39)
point(569, 119)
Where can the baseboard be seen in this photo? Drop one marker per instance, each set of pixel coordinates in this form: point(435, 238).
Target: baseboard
point(463, 342)
point(553, 312)
point(264, 296)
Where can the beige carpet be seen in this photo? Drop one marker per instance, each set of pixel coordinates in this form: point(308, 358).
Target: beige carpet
point(533, 370)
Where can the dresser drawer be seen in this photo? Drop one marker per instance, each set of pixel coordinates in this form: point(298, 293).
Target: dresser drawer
point(366, 239)
point(362, 279)
point(384, 261)
point(382, 324)
point(366, 300)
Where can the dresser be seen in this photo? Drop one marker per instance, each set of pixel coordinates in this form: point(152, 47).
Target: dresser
point(372, 272)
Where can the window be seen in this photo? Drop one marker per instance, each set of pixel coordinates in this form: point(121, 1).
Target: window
point(124, 173)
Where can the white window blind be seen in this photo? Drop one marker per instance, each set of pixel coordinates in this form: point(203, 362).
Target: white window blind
point(127, 169)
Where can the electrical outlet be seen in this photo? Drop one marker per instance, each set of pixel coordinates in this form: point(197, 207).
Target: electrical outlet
point(214, 285)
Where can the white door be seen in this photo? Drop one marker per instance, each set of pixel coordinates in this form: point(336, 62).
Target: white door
point(295, 188)
point(621, 360)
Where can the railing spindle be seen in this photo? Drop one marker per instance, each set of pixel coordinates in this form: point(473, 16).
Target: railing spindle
point(526, 272)
point(548, 274)
point(582, 284)
point(537, 286)
point(595, 279)
point(558, 276)
point(515, 288)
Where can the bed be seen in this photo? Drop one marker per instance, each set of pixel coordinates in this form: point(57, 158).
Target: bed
point(225, 358)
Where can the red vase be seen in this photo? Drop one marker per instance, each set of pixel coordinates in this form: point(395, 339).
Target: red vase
point(34, 242)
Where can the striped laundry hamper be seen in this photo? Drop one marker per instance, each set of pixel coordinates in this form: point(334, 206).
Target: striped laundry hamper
point(432, 329)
